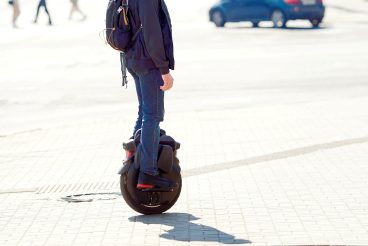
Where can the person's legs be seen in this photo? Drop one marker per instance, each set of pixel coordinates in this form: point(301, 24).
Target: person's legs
point(138, 123)
point(72, 9)
point(84, 16)
point(153, 113)
point(75, 8)
point(38, 11)
point(79, 10)
point(16, 13)
point(47, 11)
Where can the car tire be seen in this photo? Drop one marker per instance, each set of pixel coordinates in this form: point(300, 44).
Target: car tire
point(315, 23)
point(278, 19)
point(218, 18)
point(255, 24)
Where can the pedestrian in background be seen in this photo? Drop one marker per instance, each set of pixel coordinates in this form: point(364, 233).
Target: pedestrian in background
point(75, 8)
point(16, 11)
point(43, 4)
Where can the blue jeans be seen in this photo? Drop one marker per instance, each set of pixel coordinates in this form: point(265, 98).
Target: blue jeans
point(150, 114)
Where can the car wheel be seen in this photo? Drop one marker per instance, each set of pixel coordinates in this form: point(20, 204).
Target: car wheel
point(315, 23)
point(218, 18)
point(278, 19)
point(255, 24)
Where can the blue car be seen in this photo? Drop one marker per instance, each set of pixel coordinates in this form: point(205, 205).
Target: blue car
point(277, 11)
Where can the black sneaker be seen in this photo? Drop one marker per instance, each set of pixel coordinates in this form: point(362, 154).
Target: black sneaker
point(148, 182)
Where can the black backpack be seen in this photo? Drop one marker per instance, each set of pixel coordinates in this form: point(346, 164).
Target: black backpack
point(119, 33)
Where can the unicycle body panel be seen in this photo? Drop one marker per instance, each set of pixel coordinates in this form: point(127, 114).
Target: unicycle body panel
point(151, 202)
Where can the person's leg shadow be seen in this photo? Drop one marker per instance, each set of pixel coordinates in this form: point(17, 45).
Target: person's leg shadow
point(184, 230)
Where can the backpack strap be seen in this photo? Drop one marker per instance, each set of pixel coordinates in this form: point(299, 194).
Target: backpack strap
point(125, 8)
point(137, 33)
point(123, 70)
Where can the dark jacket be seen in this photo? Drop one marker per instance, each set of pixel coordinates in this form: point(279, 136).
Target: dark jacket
point(153, 47)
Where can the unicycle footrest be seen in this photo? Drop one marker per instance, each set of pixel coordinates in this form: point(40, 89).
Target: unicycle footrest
point(157, 190)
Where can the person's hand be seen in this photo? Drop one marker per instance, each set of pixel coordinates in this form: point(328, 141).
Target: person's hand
point(168, 82)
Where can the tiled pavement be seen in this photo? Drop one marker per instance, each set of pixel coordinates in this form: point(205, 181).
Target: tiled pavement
point(296, 181)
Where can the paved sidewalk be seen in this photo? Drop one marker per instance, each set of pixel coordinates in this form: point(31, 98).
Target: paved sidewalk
point(289, 186)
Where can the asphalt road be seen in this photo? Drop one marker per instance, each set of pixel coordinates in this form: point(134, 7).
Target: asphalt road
point(65, 74)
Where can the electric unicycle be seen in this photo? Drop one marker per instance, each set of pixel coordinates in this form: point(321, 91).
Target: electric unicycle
point(151, 201)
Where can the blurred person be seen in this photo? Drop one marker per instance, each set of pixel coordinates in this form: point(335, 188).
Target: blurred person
point(16, 11)
point(75, 8)
point(149, 61)
point(43, 4)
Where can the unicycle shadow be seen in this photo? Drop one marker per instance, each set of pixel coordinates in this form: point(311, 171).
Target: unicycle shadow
point(184, 230)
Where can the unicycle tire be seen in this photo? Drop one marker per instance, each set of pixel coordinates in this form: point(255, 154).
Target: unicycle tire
point(146, 202)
